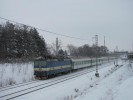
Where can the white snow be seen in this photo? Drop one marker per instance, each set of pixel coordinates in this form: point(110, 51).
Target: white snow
point(125, 90)
point(110, 88)
point(114, 83)
point(14, 73)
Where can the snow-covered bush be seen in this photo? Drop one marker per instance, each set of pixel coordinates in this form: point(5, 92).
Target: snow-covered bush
point(14, 73)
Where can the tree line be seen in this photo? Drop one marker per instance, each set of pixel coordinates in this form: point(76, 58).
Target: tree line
point(87, 51)
point(20, 41)
point(23, 42)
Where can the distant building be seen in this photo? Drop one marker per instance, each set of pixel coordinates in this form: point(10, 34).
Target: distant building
point(130, 56)
point(122, 52)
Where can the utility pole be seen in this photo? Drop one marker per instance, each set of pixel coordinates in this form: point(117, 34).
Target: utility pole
point(116, 56)
point(104, 45)
point(104, 41)
point(132, 47)
point(57, 46)
point(96, 43)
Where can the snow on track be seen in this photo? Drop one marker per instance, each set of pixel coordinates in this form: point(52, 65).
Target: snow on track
point(69, 88)
point(23, 89)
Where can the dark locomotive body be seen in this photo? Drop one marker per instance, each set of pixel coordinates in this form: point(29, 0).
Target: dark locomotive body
point(49, 68)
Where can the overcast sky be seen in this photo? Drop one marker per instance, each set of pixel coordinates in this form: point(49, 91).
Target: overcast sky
point(78, 18)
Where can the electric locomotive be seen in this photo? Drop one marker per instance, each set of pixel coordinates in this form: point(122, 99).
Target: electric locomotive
point(47, 68)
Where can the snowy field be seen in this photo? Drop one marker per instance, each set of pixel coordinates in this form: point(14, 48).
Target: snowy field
point(15, 73)
point(114, 83)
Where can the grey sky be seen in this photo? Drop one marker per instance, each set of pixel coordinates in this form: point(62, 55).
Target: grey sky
point(78, 18)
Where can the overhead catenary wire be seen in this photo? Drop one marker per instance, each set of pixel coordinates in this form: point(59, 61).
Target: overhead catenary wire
point(43, 29)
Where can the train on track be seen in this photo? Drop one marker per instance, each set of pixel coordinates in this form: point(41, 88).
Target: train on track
point(44, 69)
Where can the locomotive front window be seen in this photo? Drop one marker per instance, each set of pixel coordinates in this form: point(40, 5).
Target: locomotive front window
point(40, 63)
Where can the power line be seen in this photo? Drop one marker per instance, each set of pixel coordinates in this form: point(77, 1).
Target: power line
point(43, 29)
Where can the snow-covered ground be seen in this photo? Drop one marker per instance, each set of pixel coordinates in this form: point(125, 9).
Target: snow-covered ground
point(117, 86)
point(14, 73)
point(114, 83)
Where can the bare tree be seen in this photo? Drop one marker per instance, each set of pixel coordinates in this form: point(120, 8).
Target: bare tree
point(52, 47)
point(87, 51)
point(73, 51)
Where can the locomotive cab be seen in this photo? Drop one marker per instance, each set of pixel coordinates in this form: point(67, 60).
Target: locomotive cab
point(39, 69)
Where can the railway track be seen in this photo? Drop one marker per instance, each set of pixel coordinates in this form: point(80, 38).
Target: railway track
point(32, 89)
point(17, 93)
point(28, 83)
point(18, 85)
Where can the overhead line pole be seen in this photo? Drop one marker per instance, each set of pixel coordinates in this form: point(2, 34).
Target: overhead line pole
point(96, 43)
point(57, 47)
